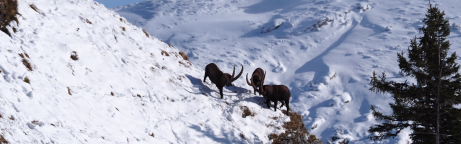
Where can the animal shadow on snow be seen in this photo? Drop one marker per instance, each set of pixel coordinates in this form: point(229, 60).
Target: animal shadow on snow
point(204, 89)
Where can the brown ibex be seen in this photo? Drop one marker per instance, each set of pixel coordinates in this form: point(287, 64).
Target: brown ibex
point(255, 80)
point(275, 93)
point(219, 78)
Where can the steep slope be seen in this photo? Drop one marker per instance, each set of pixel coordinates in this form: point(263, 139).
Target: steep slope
point(123, 88)
point(324, 50)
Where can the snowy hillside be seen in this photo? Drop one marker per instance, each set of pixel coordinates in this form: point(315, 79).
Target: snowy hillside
point(96, 78)
point(324, 50)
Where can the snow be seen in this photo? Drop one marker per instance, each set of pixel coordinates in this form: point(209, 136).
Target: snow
point(120, 90)
point(324, 50)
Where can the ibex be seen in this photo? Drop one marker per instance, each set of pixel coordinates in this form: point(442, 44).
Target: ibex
point(219, 78)
point(255, 80)
point(275, 93)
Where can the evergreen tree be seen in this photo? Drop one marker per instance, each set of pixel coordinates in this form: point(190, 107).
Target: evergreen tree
point(427, 106)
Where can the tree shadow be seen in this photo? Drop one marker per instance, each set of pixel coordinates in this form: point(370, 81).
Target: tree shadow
point(364, 109)
point(317, 64)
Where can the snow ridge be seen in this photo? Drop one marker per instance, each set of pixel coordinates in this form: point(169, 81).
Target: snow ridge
point(122, 89)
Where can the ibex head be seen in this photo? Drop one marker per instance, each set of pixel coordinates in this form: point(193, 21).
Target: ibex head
point(231, 78)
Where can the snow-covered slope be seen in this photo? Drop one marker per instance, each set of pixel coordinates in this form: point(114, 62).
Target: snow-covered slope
point(324, 50)
point(120, 90)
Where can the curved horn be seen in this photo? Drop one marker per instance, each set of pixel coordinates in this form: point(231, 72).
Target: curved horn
point(233, 72)
point(240, 74)
point(251, 84)
point(262, 82)
point(248, 81)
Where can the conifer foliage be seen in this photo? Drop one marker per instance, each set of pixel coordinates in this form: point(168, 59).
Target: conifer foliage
point(427, 106)
point(8, 12)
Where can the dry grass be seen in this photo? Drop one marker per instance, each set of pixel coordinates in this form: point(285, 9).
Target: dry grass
point(21, 55)
point(27, 64)
point(181, 63)
point(165, 53)
point(35, 122)
point(123, 28)
point(152, 135)
point(184, 55)
point(112, 93)
point(74, 56)
point(88, 21)
point(145, 32)
point(68, 91)
point(170, 45)
point(3, 140)
point(121, 19)
point(311, 138)
point(8, 12)
point(246, 112)
point(242, 135)
point(27, 80)
point(139, 96)
point(34, 8)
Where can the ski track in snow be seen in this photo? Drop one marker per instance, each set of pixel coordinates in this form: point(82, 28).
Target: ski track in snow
point(327, 67)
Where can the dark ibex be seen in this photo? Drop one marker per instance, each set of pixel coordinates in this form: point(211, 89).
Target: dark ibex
point(255, 80)
point(219, 78)
point(275, 93)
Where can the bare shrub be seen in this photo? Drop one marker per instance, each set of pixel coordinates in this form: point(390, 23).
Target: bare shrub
point(170, 45)
point(27, 80)
point(152, 135)
point(112, 93)
point(295, 131)
point(311, 138)
point(242, 135)
point(145, 32)
point(74, 56)
point(121, 19)
point(165, 53)
point(184, 55)
point(3, 140)
point(21, 55)
point(8, 12)
point(313, 127)
point(34, 8)
point(246, 112)
point(123, 28)
point(27, 64)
